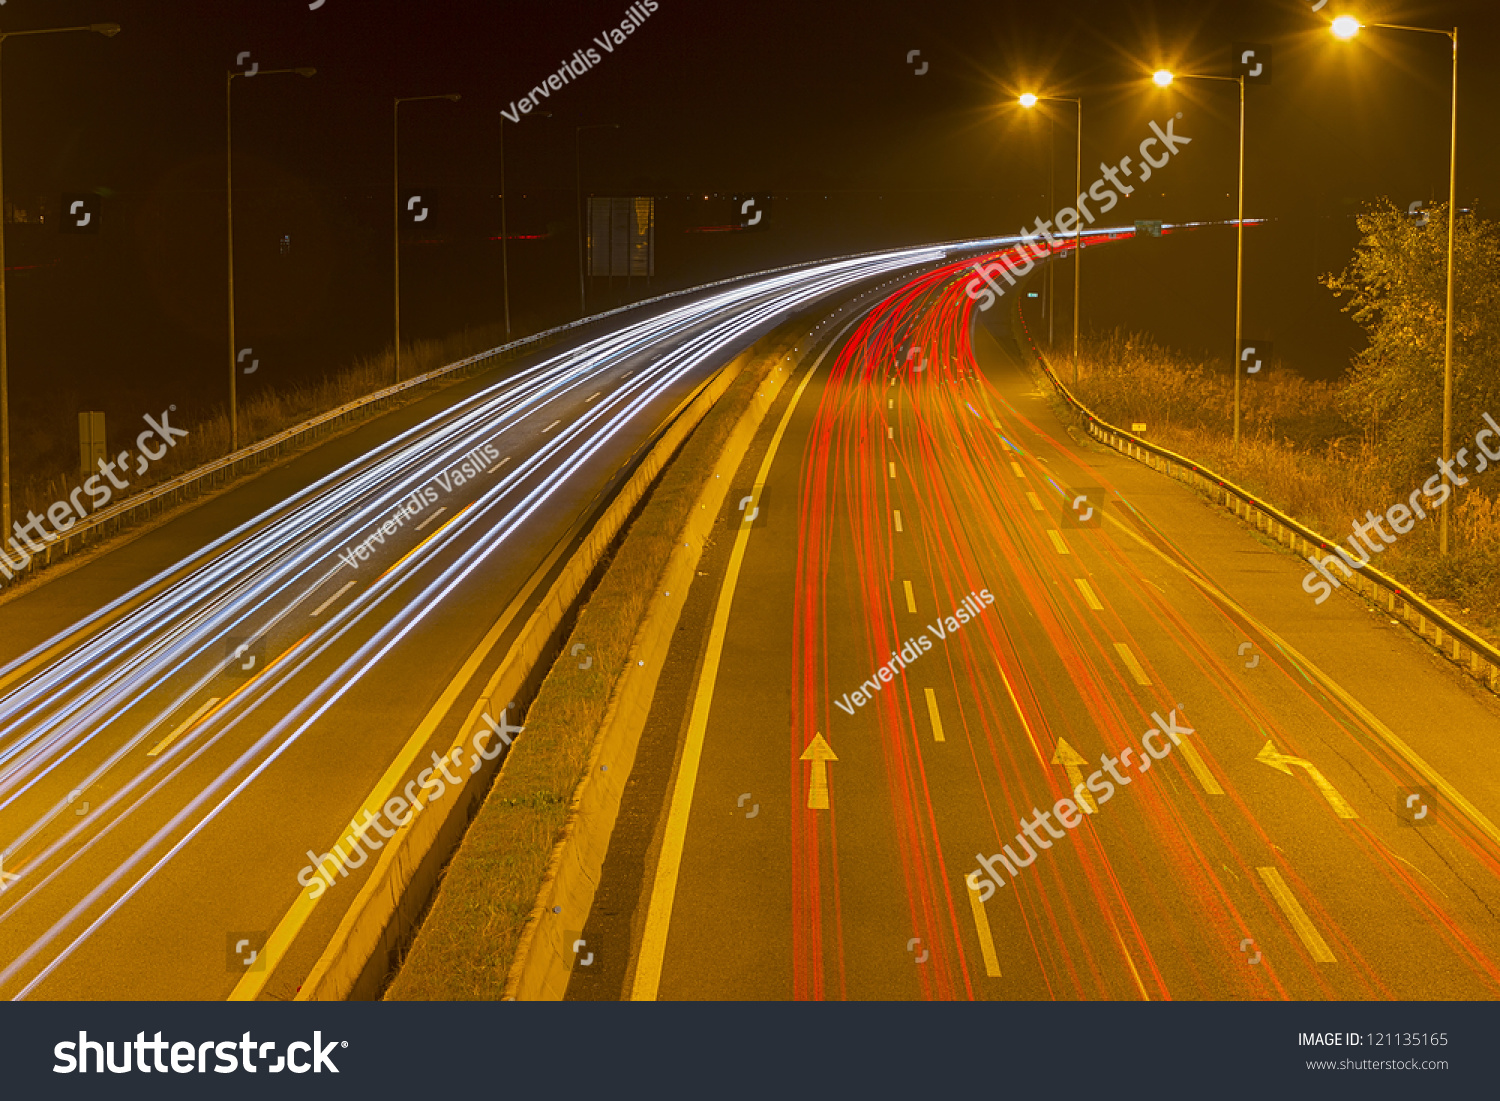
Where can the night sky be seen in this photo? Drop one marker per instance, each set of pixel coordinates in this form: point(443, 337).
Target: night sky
point(815, 104)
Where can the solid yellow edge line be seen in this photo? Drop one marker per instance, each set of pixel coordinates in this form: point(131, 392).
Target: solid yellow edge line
point(653, 950)
point(253, 982)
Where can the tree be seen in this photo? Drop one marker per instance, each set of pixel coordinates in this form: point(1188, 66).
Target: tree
point(1396, 286)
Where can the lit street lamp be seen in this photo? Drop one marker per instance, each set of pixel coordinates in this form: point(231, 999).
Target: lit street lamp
point(396, 210)
point(1162, 79)
point(1028, 100)
point(109, 30)
point(1346, 27)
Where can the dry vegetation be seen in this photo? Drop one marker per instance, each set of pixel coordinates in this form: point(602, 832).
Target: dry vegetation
point(466, 944)
point(269, 411)
point(1301, 452)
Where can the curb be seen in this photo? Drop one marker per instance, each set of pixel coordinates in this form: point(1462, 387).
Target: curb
point(388, 908)
point(544, 961)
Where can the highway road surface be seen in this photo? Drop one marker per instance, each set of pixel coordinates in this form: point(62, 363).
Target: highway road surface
point(976, 709)
point(189, 722)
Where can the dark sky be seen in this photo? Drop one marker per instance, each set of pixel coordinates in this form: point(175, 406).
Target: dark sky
point(812, 101)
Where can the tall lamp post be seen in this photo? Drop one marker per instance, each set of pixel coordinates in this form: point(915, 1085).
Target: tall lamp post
point(109, 30)
point(1031, 100)
point(234, 365)
point(1346, 27)
point(396, 211)
point(504, 232)
point(583, 302)
point(1162, 78)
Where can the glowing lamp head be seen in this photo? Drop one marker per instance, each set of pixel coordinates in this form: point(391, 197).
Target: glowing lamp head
point(1346, 27)
point(1161, 78)
point(1028, 100)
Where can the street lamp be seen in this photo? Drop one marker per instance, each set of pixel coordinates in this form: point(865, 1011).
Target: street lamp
point(234, 365)
point(1030, 99)
point(108, 30)
point(578, 203)
point(1162, 78)
point(504, 238)
point(396, 210)
point(1346, 27)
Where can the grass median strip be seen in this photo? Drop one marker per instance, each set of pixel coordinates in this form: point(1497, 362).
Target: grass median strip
point(466, 946)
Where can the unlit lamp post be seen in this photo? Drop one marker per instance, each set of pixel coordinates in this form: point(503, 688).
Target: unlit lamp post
point(109, 30)
point(1031, 100)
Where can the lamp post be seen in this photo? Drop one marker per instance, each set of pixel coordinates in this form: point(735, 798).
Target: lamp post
point(583, 304)
point(1162, 78)
point(234, 366)
point(109, 30)
point(1346, 27)
point(396, 212)
point(1031, 100)
point(504, 232)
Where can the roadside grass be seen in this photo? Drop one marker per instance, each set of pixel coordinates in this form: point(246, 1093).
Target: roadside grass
point(1299, 452)
point(465, 946)
point(264, 413)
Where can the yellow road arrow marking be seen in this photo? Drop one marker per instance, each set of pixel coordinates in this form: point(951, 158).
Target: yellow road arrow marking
point(819, 752)
point(1389, 736)
point(1073, 763)
point(653, 948)
point(1282, 763)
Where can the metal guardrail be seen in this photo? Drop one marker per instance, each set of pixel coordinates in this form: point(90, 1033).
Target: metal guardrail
point(1466, 649)
point(190, 483)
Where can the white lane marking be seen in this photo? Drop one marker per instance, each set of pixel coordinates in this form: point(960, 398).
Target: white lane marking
point(1135, 667)
point(323, 607)
point(1294, 912)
